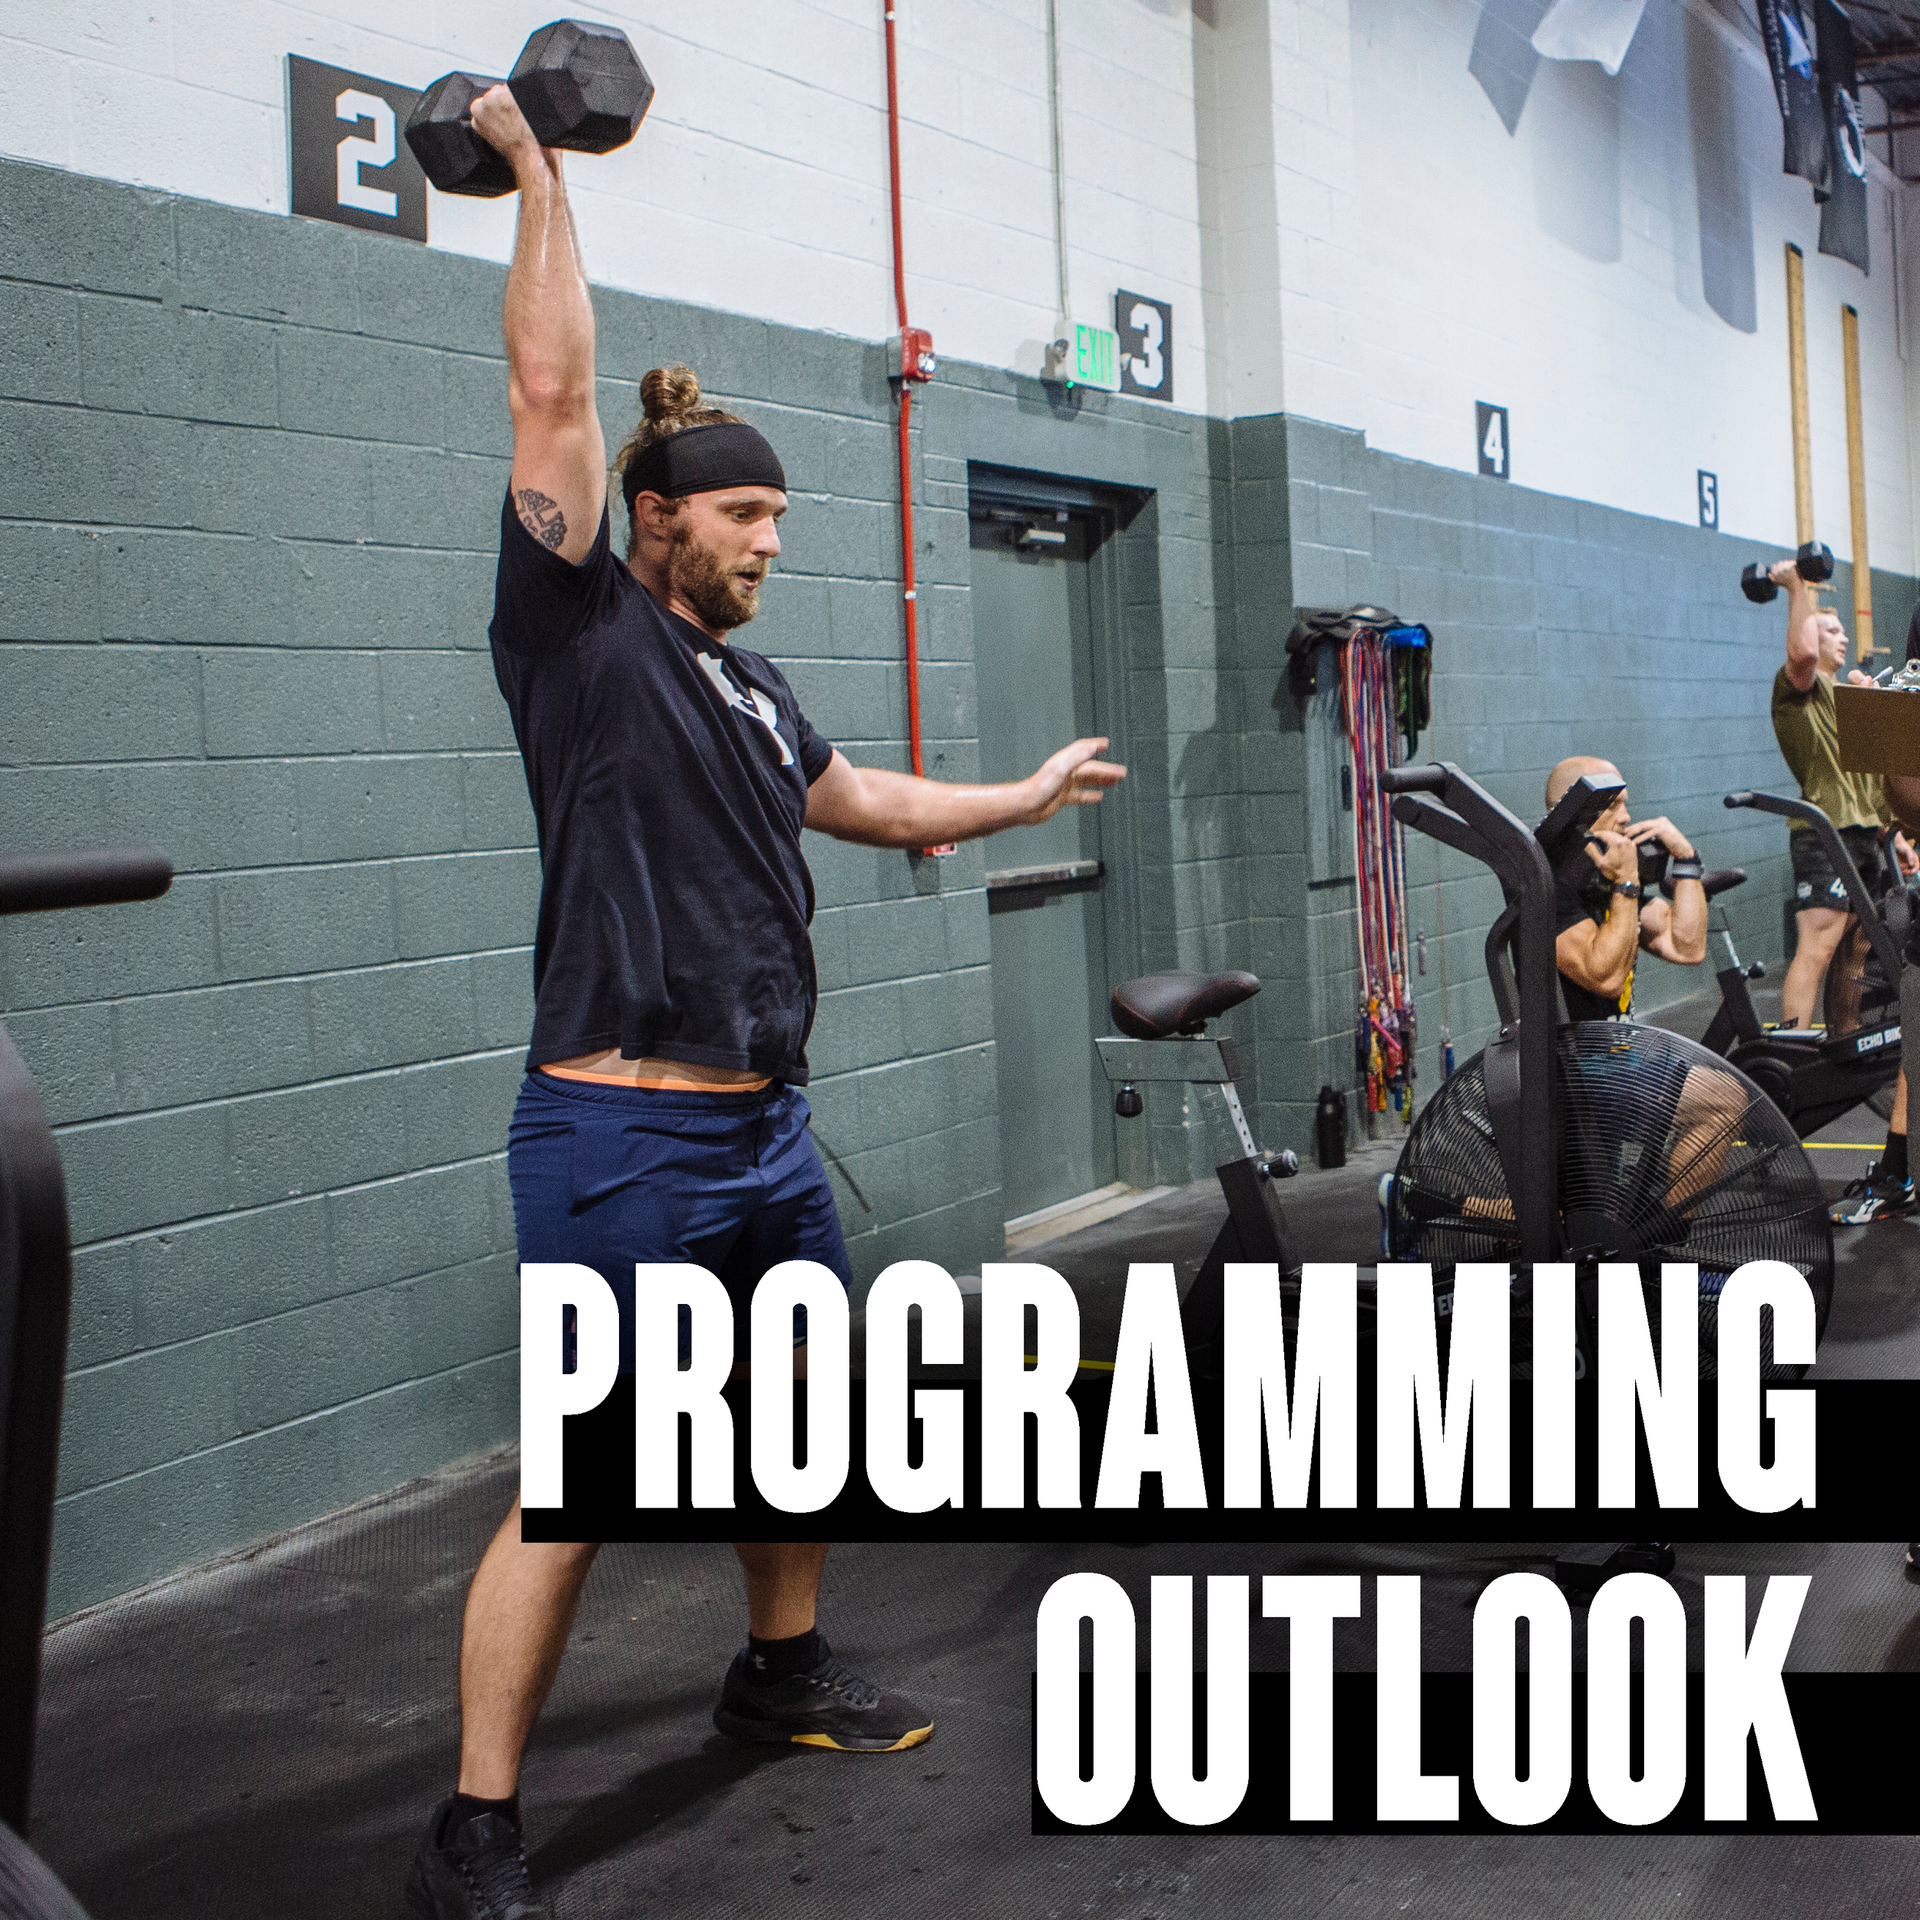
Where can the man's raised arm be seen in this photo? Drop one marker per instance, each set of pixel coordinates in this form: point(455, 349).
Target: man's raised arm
point(1804, 614)
point(559, 455)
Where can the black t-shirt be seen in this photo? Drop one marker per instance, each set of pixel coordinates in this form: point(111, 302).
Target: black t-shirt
point(1913, 635)
point(669, 775)
point(1577, 897)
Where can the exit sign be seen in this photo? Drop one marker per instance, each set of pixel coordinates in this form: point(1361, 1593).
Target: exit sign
point(1096, 359)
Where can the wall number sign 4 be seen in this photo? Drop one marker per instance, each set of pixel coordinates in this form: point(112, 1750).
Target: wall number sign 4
point(1490, 436)
point(346, 159)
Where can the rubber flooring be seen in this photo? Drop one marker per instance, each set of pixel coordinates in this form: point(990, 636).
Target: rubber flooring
point(266, 1736)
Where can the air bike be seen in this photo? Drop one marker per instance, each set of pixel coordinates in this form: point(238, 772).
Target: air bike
point(1815, 1077)
point(1561, 1141)
point(1594, 1140)
point(1591, 1140)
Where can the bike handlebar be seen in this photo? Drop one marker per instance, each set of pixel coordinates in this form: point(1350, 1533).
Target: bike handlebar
point(41, 882)
point(1432, 778)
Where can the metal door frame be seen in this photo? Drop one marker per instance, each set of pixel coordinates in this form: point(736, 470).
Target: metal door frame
point(1110, 510)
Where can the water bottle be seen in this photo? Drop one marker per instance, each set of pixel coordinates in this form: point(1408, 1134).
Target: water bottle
point(1330, 1128)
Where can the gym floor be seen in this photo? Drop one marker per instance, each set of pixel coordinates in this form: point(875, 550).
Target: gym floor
point(267, 1735)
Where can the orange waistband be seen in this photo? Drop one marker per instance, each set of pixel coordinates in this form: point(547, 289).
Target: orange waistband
point(657, 1083)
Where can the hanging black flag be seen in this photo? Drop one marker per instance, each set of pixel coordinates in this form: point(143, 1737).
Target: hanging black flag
point(1790, 54)
point(1843, 219)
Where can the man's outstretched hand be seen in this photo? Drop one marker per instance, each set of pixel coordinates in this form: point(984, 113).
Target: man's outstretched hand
point(1073, 777)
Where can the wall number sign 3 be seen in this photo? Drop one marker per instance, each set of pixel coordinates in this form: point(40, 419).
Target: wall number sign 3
point(1490, 435)
point(344, 152)
point(1145, 327)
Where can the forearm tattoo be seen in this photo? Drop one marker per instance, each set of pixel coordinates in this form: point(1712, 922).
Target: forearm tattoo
point(542, 517)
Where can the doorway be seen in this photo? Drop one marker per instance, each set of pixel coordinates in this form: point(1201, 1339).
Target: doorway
point(1039, 596)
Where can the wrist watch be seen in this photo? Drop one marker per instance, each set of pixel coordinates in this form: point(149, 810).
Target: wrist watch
point(1685, 869)
point(1630, 889)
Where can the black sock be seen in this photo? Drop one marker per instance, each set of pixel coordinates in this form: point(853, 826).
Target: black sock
point(1893, 1161)
point(468, 1806)
point(770, 1661)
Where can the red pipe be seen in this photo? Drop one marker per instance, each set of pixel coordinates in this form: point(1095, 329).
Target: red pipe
point(906, 568)
point(906, 406)
point(893, 162)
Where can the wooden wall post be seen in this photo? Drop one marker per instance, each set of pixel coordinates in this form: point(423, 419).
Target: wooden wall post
point(1797, 373)
point(1857, 489)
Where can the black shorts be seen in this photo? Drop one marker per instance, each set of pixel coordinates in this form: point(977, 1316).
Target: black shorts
point(1815, 884)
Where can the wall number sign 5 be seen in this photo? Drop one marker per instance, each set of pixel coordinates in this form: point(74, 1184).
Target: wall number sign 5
point(344, 152)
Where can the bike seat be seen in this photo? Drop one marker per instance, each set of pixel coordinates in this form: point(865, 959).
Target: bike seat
point(1158, 1006)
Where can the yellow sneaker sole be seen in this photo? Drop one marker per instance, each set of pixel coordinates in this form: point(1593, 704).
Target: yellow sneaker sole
point(906, 1740)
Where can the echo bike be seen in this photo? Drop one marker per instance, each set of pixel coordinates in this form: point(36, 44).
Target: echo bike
point(1815, 1077)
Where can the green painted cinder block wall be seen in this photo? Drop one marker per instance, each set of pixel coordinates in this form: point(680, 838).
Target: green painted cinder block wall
point(247, 527)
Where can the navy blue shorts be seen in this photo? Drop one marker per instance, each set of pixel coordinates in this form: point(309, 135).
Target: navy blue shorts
point(608, 1177)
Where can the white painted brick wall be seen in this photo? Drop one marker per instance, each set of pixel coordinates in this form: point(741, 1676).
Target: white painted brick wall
point(1622, 380)
point(1342, 222)
point(759, 182)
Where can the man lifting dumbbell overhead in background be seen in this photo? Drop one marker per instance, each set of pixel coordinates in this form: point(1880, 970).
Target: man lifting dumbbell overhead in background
point(661, 1119)
point(1805, 725)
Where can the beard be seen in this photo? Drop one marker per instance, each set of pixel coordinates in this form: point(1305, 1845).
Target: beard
point(723, 597)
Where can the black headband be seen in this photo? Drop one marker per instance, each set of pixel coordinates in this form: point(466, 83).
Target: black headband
point(701, 459)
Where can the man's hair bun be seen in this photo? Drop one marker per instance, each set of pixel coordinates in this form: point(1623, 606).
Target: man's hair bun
point(669, 404)
point(669, 394)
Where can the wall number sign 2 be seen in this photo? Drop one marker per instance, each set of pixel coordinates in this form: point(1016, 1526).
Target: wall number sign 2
point(345, 153)
point(1145, 328)
point(1490, 434)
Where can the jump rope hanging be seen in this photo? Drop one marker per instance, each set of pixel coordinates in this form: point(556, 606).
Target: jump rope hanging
point(1385, 697)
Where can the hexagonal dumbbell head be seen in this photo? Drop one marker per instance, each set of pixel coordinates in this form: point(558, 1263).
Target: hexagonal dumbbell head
point(1814, 561)
point(1756, 585)
point(581, 87)
point(451, 155)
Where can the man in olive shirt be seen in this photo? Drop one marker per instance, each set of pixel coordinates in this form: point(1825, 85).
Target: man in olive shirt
point(1805, 724)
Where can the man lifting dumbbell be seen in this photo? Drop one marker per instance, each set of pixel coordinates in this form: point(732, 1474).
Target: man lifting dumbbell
point(661, 1119)
point(1804, 724)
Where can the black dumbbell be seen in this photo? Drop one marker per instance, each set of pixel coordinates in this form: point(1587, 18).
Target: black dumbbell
point(1813, 562)
point(581, 87)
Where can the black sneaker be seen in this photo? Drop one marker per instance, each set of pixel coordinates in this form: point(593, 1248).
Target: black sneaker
point(829, 1707)
point(1872, 1198)
point(476, 1872)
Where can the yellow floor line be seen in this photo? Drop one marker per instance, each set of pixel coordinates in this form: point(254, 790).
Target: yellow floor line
point(1086, 1366)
